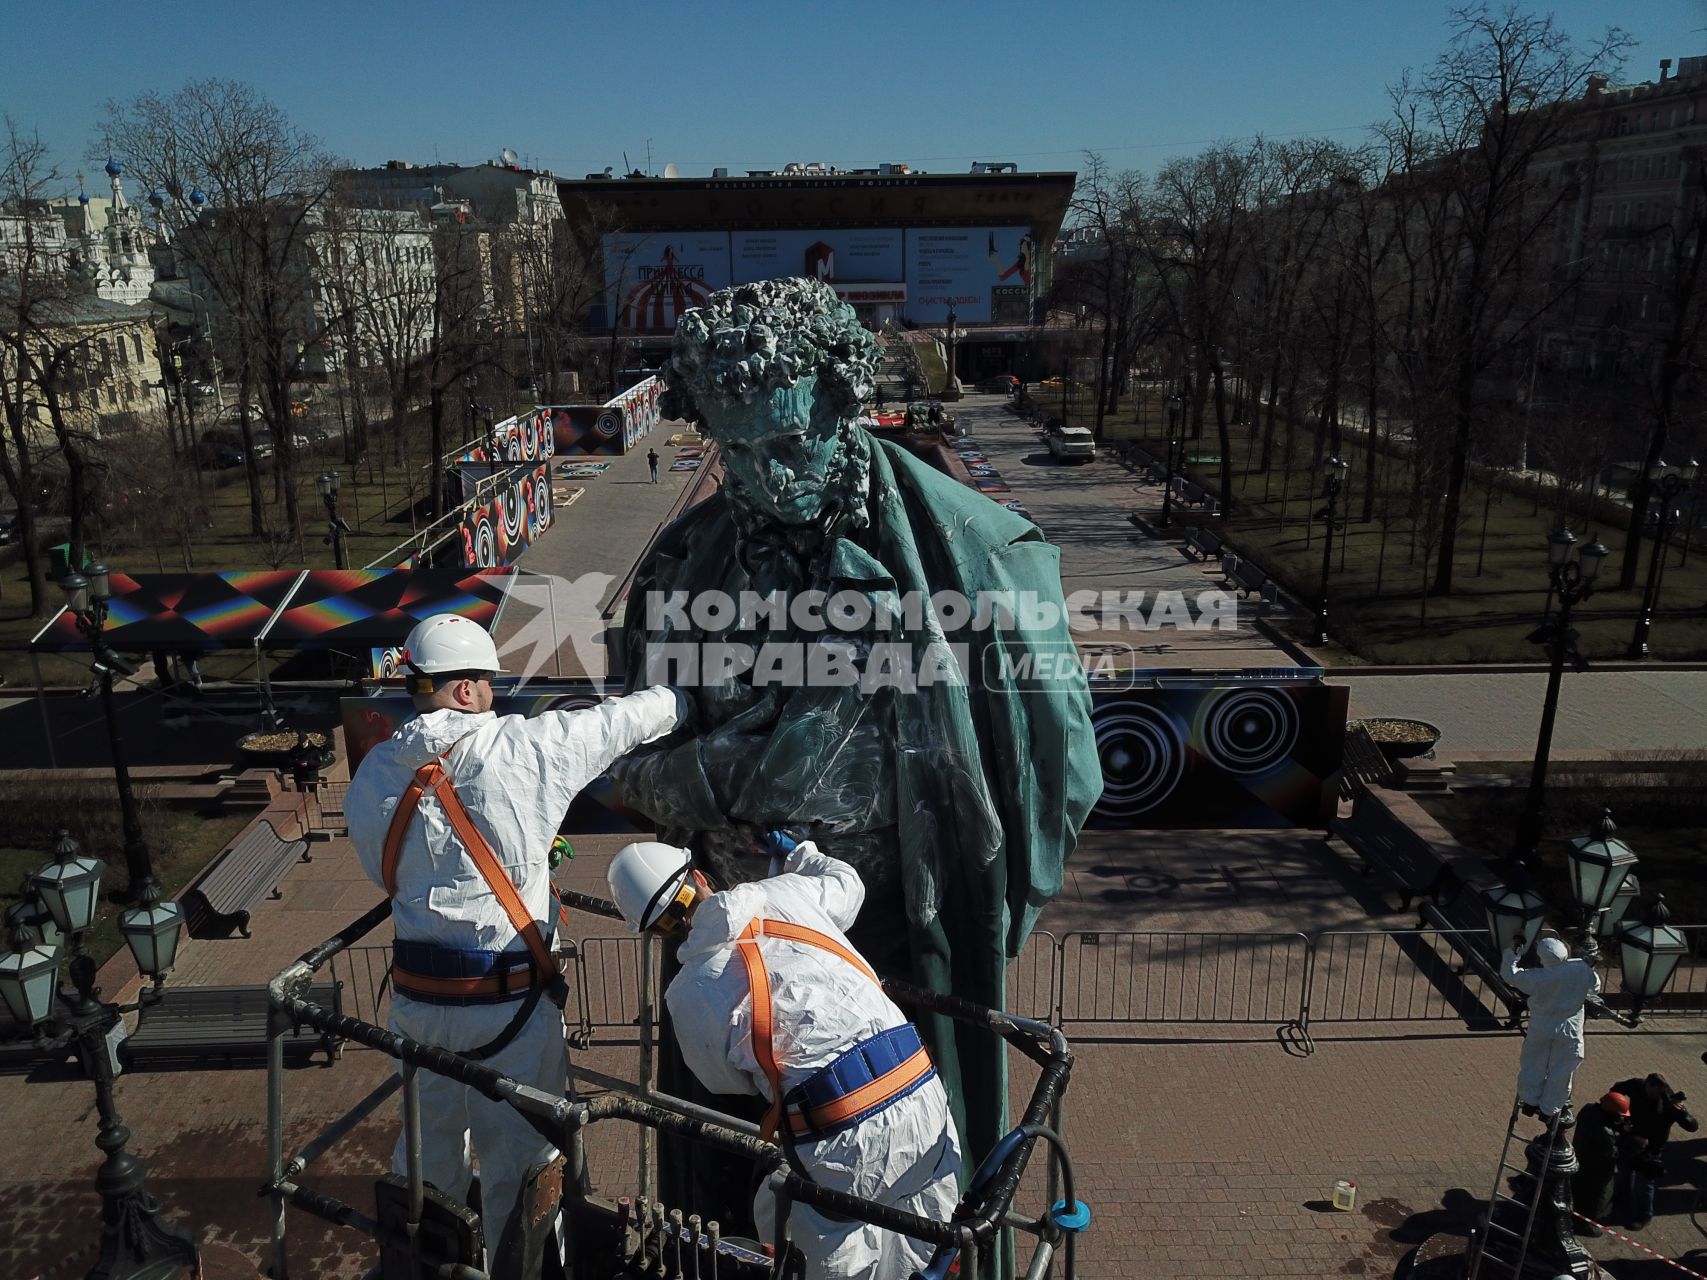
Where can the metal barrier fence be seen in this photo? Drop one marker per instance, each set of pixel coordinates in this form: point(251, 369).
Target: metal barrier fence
point(1159, 976)
point(1031, 979)
point(323, 806)
point(1397, 975)
point(1152, 977)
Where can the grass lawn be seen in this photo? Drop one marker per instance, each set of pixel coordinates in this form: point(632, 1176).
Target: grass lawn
point(194, 838)
point(1667, 832)
point(1380, 609)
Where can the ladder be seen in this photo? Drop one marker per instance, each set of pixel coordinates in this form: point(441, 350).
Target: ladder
point(1497, 1196)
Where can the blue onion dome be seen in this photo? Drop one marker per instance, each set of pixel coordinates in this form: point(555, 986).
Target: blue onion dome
point(114, 168)
point(198, 197)
point(82, 197)
point(157, 197)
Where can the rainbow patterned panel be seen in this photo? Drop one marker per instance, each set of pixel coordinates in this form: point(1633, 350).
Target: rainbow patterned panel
point(180, 612)
point(377, 608)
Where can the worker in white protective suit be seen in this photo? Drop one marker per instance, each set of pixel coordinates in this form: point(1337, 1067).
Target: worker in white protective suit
point(454, 816)
point(773, 1000)
point(1553, 1045)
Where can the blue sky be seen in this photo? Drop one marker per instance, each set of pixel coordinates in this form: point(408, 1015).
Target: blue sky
point(937, 83)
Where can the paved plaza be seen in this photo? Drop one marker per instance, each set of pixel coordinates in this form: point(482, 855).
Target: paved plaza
point(1205, 1136)
point(1204, 1149)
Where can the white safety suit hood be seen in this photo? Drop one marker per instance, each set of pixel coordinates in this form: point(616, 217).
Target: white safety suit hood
point(1551, 951)
point(432, 733)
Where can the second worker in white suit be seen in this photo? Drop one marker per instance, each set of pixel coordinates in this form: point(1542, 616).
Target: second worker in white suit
point(1553, 1045)
point(453, 816)
point(773, 1000)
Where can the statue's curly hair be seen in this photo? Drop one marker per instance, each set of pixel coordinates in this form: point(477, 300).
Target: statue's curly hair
point(752, 338)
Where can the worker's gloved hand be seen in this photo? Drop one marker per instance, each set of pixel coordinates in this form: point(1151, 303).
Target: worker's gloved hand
point(684, 705)
point(777, 843)
point(560, 849)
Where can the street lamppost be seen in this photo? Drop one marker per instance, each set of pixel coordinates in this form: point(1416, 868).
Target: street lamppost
point(136, 1242)
point(952, 334)
point(1333, 479)
point(336, 527)
point(1066, 377)
point(1668, 483)
point(1599, 863)
point(86, 600)
point(1572, 581)
point(1648, 952)
point(1510, 912)
point(1175, 410)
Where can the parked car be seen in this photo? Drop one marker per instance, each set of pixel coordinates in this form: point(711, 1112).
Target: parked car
point(1072, 443)
point(211, 455)
point(234, 413)
point(1002, 384)
point(233, 438)
point(8, 528)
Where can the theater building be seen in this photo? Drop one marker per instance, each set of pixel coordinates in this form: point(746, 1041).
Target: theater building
point(899, 246)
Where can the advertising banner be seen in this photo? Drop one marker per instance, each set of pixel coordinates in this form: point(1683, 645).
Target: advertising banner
point(985, 273)
point(652, 279)
point(612, 428)
point(498, 530)
point(833, 256)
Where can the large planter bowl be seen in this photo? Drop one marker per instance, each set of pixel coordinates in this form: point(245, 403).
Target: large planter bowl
point(276, 748)
point(1397, 738)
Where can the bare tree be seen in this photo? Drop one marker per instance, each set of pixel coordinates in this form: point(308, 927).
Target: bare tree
point(1469, 131)
point(155, 485)
point(1669, 361)
point(1196, 238)
point(1112, 286)
point(52, 352)
point(250, 250)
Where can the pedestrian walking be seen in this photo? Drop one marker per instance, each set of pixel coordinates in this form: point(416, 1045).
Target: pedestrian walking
point(453, 816)
point(773, 1000)
point(652, 461)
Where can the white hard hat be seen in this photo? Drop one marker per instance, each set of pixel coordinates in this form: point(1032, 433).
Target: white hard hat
point(449, 642)
point(644, 878)
point(1552, 951)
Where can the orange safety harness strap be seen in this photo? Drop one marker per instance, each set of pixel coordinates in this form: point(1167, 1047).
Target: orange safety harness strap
point(759, 982)
point(432, 777)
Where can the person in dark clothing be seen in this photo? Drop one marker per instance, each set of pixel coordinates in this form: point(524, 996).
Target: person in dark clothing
point(652, 461)
point(1654, 1109)
point(1595, 1141)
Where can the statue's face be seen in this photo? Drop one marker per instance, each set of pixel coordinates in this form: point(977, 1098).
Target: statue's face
point(779, 449)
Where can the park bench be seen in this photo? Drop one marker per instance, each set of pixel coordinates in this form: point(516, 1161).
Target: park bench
point(1450, 886)
point(1195, 495)
point(243, 875)
point(198, 1023)
point(1203, 544)
point(1246, 576)
point(1361, 764)
point(1389, 847)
